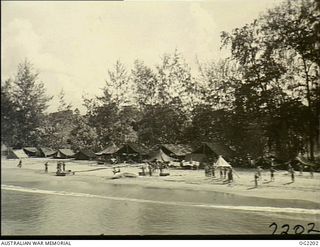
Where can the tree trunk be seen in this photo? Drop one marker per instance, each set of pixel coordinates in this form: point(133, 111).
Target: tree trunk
point(311, 136)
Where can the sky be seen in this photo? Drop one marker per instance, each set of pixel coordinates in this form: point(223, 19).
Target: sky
point(73, 44)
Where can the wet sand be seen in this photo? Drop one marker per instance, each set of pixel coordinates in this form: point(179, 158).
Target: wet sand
point(304, 188)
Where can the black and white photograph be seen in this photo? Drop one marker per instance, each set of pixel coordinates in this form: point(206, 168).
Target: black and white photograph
point(160, 118)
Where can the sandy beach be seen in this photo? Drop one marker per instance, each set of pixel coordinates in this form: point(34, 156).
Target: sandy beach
point(304, 188)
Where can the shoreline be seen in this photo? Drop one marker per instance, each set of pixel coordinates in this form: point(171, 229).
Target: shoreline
point(204, 187)
point(304, 189)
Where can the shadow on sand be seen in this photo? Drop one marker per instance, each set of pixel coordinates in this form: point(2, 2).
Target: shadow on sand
point(268, 182)
point(251, 188)
point(288, 183)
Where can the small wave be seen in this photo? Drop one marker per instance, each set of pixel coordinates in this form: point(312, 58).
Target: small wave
point(173, 203)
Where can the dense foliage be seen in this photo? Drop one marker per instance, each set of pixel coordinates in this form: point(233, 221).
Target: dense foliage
point(262, 100)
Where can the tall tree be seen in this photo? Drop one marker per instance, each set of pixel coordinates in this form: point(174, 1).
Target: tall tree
point(9, 120)
point(145, 81)
point(30, 100)
point(119, 85)
point(63, 105)
point(294, 26)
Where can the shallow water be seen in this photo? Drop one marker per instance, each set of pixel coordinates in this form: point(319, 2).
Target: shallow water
point(35, 205)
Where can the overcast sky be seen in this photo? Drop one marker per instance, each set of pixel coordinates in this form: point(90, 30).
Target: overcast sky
point(72, 44)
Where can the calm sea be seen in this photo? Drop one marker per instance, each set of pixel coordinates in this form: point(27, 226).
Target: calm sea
point(32, 204)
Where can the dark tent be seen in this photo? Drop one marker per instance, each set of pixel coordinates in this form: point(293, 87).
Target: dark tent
point(31, 151)
point(65, 153)
point(132, 152)
point(177, 151)
point(85, 154)
point(213, 150)
point(160, 156)
point(47, 152)
point(16, 154)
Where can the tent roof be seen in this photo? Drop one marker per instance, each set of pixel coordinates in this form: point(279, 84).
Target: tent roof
point(221, 163)
point(160, 155)
point(135, 147)
point(87, 152)
point(47, 151)
point(216, 148)
point(66, 152)
point(17, 154)
point(30, 150)
point(111, 149)
point(177, 149)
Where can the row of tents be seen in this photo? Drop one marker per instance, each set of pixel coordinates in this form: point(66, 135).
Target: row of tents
point(133, 152)
point(10, 153)
point(128, 152)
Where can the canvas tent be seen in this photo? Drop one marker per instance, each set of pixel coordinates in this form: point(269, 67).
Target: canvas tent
point(221, 163)
point(16, 154)
point(160, 156)
point(132, 151)
point(31, 151)
point(47, 152)
point(111, 149)
point(213, 150)
point(177, 151)
point(65, 153)
point(85, 154)
point(196, 157)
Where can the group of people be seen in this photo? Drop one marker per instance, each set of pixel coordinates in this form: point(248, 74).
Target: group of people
point(150, 169)
point(152, 166)
point(61, 166)
point(225, 172)
point(291, 171)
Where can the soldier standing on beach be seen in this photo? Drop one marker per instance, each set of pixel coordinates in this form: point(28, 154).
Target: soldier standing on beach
point(292, 174)
point(212, 168)
point(301, 169)
point(259, 172)
point(272, 170)
point(256, 177)
point(46, 167)
point(230, 176)
point(59, 167)
point(224, 172)
point(221, 173)
point(150, 169)
point(143, 170)
point(311, 171)
point(207, 170)
point(20, 164)
point(63, 166)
